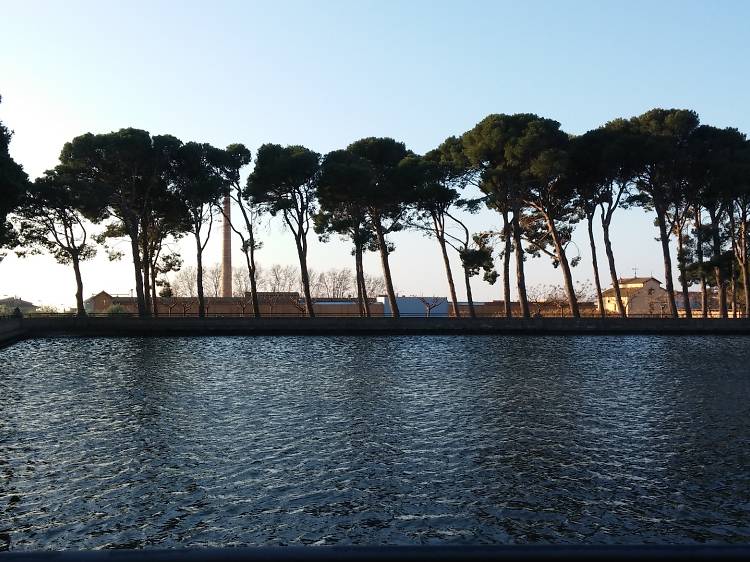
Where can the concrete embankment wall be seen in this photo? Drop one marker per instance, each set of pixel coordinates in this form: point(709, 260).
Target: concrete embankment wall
point(129, 326)
point(11, 330)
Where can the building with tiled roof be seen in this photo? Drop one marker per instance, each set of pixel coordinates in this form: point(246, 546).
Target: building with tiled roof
point(641, 296)
point(8, 305)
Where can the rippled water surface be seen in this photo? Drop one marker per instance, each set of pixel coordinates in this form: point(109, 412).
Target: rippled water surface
point(373, 440)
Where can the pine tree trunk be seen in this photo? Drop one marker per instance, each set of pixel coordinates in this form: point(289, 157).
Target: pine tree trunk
point(734, 292)
point(506, 265)
point(733, 269)
point(146, 262)
point(612, 269)
point(683, 273)
point(251, 272)
point(595, 265)
point(520, 275)
point(565, 266)
point(364, 306)
point(699, 255)
point(249, 251)
point(469, 297)
point(136, 251)
point(449, 274)
point(664, 238)
point(250, 262)
point(720, 281)
point(199, 280)
point(302, 254)
point(360, 301)
point(154, 298)
point(746, 285)
point(386, 268)
point(80, 308)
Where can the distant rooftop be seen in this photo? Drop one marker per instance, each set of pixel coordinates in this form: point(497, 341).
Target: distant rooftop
point(638, 279)
point(16, 302)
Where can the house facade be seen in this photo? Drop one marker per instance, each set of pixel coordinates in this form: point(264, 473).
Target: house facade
point(641, 296)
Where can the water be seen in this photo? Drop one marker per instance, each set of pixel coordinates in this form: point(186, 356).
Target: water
point(374, 440)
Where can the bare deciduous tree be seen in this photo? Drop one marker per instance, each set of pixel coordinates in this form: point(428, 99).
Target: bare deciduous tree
point(212, 280)
point(184, 282)
point(431, 303)
point(282, 278)
point(553, 297)
point(375, 285)
point(336, 283)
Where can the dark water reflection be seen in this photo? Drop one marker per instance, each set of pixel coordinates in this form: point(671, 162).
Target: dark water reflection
point(398, 440)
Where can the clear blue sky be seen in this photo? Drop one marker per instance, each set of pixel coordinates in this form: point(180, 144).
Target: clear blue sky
point(326, 73)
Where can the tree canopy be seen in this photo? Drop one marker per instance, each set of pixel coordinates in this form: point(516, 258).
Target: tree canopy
point(13, 182)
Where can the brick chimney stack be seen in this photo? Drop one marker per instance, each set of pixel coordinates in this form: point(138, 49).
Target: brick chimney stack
point(226, 255)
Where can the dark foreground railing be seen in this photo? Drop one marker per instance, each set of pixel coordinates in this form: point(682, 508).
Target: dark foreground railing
point(395, 553)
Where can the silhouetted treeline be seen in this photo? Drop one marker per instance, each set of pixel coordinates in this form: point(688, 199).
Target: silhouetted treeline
point(151, 190)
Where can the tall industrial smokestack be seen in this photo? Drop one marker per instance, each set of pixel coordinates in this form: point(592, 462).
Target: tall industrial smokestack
point(226, 254)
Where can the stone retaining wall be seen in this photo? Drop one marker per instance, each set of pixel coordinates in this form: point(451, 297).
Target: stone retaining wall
point(11, 330)
point(129, 326)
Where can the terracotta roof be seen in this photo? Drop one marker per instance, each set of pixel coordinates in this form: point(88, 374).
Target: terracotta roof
point(626, 280)
point(20, 303)
point(624, 291)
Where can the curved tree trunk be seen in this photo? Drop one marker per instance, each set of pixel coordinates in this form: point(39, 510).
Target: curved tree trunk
point(252, 273)
point(664, 239)
point(386, 268)
point(506, 265)
point(302, 254)
point(565, 266)
point(80, 308)
point(253, 296)
point(612, 268)
point(520, 275)
point(248, 248)
point(595, 265)
point(449, 274)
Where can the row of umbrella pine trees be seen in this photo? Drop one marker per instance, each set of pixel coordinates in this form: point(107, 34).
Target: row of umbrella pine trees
point(149, 190)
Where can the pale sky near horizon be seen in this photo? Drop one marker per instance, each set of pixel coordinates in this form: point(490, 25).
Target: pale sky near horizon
point(326, 73)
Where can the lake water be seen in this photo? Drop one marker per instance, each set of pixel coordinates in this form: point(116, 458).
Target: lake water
point(176, 442)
